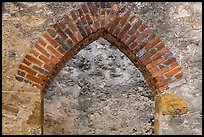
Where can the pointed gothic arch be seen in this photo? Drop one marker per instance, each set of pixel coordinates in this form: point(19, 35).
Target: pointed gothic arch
point(82, 26)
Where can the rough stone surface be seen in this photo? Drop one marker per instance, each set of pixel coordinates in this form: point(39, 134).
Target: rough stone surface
point(99, 91)
point(178, 24)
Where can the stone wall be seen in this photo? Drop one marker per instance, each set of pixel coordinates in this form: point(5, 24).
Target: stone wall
point(178, 24)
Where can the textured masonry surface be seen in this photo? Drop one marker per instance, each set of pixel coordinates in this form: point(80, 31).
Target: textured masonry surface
point(82, 26)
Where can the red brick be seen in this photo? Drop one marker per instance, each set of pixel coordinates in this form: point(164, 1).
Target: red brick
point(135, 27)
point(91, 8)
point(21, 73)
point(160, 46)
point(153, 43)
point(161, 89)
point(46, 60)
point(117, 30)
point(160, 72)
point(70, 43)
point(133, 46)
point(169, 61)
point(27, 69)
point(50, 40)
point(35, 79)
point(40, 70)
point(48, 68)
point(159, 78)
point(54, 59)
point(60, 31)
point(125, 38)
point(54, 52)
point(42, 50)
point(34, 52)
point(147, 61)
point(82, 17)
point(83, 6)
point(124, 30)
point(153, 69)
point(179, 75)
point(73, 14)
point(89, 20)
point(62, 25)
point(173, 72)
point(102, 19)
point(81, 30)
point(112, 12)
point(61, 50)
point(88, 30)
point(132, 38)
point(34, 60)
point(142, 27)
point(159, 53)
point(114, 24)
point(173, 65)
point(152, 36)
point(162, 83)
point(124, 19)
point(70, 24)
point(52, 32)
point(43, 77)
point(78, 36)
point(61, 42)
point(71, 36)
point(154, 63)
point(26, 62)
point(42, 42)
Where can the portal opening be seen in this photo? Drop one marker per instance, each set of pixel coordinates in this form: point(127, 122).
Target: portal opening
point(99, 91)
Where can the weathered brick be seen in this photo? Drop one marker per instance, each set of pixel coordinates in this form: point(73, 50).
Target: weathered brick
point(173, 72)
point(102, 19)
point(153, 43)
point(82, 17)
point(54, 51)
point(60, 31)
point(78, 36)
point(124, 19)
point(135, 26)
point(81, 30)
point(91, 8)
point(50, 40)
point(151, 37)
point(133, 46)
point(173, 65)
point(54, 59)
point(124, 39)
point(89, 20)
point(84, 7)
point(169, 61)
point(142, 27)
point(70, 43)
point(40, 70)
point(61, 50)
point(159, 78)
point(161, 89)
point(21, 73)
point(52, 32)
point(112, 12)
point(41, 76)
point(153, 69)
point(147, 61)
point(46, 60)
point(48, 68)
point(154, 63)
point(179, 75)
point(159, 53)
point(167, 55)
point(73, 14)
point(25, 61)
point(114, 24)
point(42, 50)
point(160, 72)
point(35, 79)
point(124, 30)
point(27, 69)
point(132, 38)
point(19, 78)
point(88, 30)
point(42, 42)
point(61, 42)
point(62, 25)
point(34, 60)
point(71, 36)
point(34, 52)
point(146, 33)
point(162, 83)
point(70, 24)
point(159, 46)
point(102, 4)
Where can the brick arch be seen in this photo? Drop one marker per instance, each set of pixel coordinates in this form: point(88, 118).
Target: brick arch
point(80, 27)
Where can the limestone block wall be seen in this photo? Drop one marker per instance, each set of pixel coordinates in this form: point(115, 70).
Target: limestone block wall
point(39, 60)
